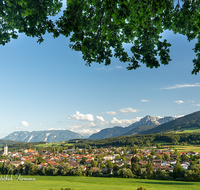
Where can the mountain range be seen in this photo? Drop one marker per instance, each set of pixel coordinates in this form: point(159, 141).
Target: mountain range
point(188, 122)
point(145, 123)
point(150, 125)
point(47, 136)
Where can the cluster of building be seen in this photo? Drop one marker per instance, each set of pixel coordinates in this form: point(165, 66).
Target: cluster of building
point(73, 158)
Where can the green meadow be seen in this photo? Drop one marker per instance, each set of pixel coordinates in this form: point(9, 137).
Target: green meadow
point(53, 145)
point(187, 148)
point(95, 183)
point(189, 130)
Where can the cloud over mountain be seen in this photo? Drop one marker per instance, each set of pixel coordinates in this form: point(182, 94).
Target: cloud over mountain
point(82, 117)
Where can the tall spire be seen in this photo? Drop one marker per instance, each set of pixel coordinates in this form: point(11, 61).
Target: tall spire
point(6, 149)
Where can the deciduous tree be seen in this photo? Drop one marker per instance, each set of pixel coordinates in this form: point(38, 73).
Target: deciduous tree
point(100, 28)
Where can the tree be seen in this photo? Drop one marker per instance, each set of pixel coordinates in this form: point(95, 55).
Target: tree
point(150, 157)
point(100, 28)
point(176, 152)
point(15, 158)
point(24, 16)
point(126, 166)
point(159, 157)
point(79, 170)
point(125, 172)
point(90, 150)
point(109, 164)
point(40, 160)
point(166, 156)
point(179, 171)
point(83, 160)
point(194, 174)
point(1, 167)
point(149, 167)
point(94, 163)
point(135, 168)
point(184, 157)
point(115, 168)
point(153, 152)
point(65, 169)
point(27, 167)
point(102, 165)
point(9, 168)
point(196, 168)
point(108, 24)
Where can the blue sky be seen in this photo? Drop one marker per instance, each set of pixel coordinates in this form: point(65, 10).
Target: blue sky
point(48, 86)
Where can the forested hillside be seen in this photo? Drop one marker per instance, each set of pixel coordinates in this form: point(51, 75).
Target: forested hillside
point(190, 121)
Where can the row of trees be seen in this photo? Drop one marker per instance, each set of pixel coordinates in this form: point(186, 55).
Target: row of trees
point(135, 141)
point(133, 171)
point(139, 141)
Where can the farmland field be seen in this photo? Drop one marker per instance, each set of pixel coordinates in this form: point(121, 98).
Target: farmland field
point(97, 183)
point(53, 145)
point(187, 148)
point(189, 130)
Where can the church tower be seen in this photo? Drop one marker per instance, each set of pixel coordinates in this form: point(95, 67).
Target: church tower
point(5, 150)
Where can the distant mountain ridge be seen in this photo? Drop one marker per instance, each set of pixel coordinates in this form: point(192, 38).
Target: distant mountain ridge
point(47, 136)
point(118, 131)
point(186, 122)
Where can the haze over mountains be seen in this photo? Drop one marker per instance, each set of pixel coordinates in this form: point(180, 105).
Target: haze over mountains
point(48, 136)
point(146, 125)
point(147, 122)
point(188, 122)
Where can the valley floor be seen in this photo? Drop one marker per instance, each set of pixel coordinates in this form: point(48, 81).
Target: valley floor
point(97, 183)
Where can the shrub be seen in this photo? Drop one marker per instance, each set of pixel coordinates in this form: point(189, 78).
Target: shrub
point(68, 188)
point(142, 188)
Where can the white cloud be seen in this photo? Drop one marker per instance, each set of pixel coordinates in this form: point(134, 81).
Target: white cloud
point(111, 112)
point(82, 117)
point(179, 101)
point(124, 122)
point(55, 129)
point(75, 127)
point(179, 116)
point(182, 86)
point(40, 123)
point(196, 104)
point(144, 100)
point(25, 124)
point(86, 131)
point(104, 68)
point(127, 110)
point(19, 128)
point(100, 118)
point(190, 101)
point(118, 67)
point(91, 124)
point(104, 123)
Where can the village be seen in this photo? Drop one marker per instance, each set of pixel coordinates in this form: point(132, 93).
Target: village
point(103, 160)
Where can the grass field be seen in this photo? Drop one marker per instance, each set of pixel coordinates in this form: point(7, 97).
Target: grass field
point(187, 148)
point(53, 145)
point(189, 130)
point(97, 183)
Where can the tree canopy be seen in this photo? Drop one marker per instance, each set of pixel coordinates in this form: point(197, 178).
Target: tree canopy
point(28, 17)
point(100, 28)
